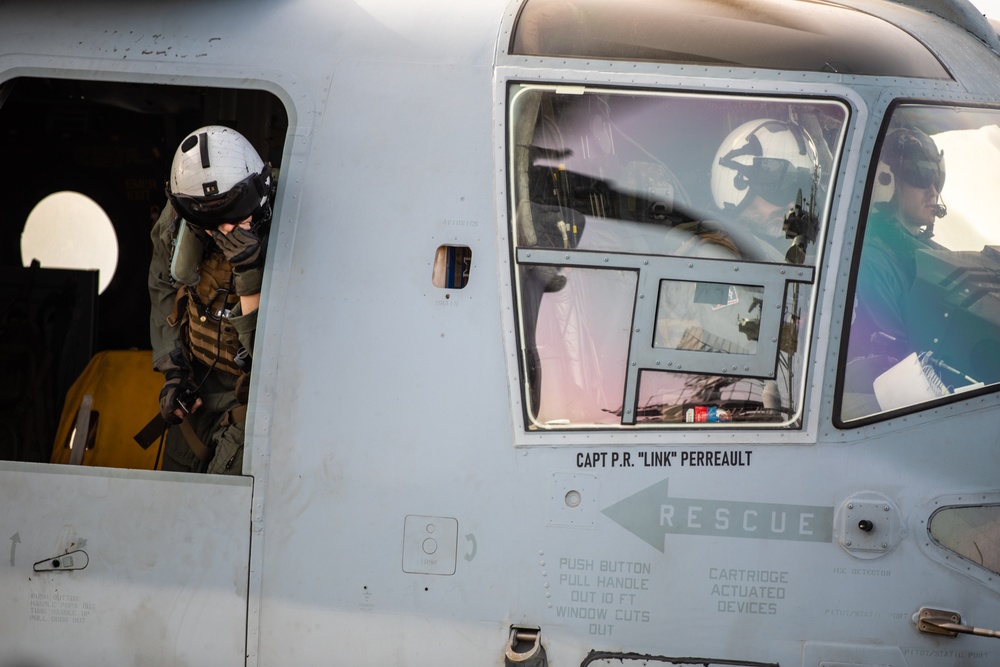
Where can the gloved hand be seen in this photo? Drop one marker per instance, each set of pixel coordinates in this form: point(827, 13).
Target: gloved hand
point(178, 387)
point(243, 249)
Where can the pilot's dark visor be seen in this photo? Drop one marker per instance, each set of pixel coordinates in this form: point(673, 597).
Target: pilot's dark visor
point(914, 159)
point(777, 181)
point(922, 173)
point(232, 207)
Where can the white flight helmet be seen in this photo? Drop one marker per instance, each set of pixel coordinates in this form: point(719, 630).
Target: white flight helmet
point(770, 158)
point(217, 177)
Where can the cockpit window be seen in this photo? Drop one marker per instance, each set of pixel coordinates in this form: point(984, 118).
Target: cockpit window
point(925, 322)
point(798, 35)
point(665, 251)
point(971, 531)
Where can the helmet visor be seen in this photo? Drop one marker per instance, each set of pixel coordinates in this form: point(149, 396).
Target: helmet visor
point(232, 207)
point(914, 158)
point(777, 181)
point(921, 172)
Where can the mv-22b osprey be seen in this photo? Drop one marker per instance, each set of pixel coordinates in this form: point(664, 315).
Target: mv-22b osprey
point(592, 333)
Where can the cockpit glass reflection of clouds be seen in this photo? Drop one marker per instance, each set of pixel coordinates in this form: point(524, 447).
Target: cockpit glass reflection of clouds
point(925, 324)
point(666, 248)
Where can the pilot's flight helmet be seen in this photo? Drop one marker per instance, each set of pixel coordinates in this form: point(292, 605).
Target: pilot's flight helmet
point(914, 158)
point(766, 157)
point(217, 177)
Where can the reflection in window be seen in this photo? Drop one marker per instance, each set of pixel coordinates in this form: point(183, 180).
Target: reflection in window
point(665, 249)
point(688, 31)
point(710, 317)
point(971, 532)
point(926, 310)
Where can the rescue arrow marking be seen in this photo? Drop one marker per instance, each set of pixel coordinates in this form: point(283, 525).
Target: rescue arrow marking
point(651, 514)
point(15, 539)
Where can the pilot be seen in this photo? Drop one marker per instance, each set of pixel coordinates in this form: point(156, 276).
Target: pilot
point(204, 281)
point(894, 232)
point(759, 171)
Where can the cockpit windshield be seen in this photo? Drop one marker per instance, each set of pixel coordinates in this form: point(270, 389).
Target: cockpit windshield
point(665, 250)
point(925, 318)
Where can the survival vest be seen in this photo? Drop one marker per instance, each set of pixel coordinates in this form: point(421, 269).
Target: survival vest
point(204, 308)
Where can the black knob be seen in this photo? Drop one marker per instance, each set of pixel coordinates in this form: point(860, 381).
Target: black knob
point(866, 525)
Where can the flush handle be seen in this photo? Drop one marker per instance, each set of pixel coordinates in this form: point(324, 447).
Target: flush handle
point(941, 622)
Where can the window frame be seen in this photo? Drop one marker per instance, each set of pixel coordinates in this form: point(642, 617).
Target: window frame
point(871, 172)
point(671, 267)
point(941, 554)
point(223, 82)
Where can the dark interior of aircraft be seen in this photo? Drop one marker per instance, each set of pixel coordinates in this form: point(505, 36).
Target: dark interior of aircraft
point(112, 142)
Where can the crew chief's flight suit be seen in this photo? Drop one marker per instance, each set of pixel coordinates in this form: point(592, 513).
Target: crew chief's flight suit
point(186, 317)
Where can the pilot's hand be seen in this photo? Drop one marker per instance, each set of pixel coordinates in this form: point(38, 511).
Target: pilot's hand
point(182, 399)
point(243, 250)
point(240, 246)
point(178, 395)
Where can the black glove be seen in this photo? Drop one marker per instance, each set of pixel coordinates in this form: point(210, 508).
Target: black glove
point(245, 252)
point(178, 390)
